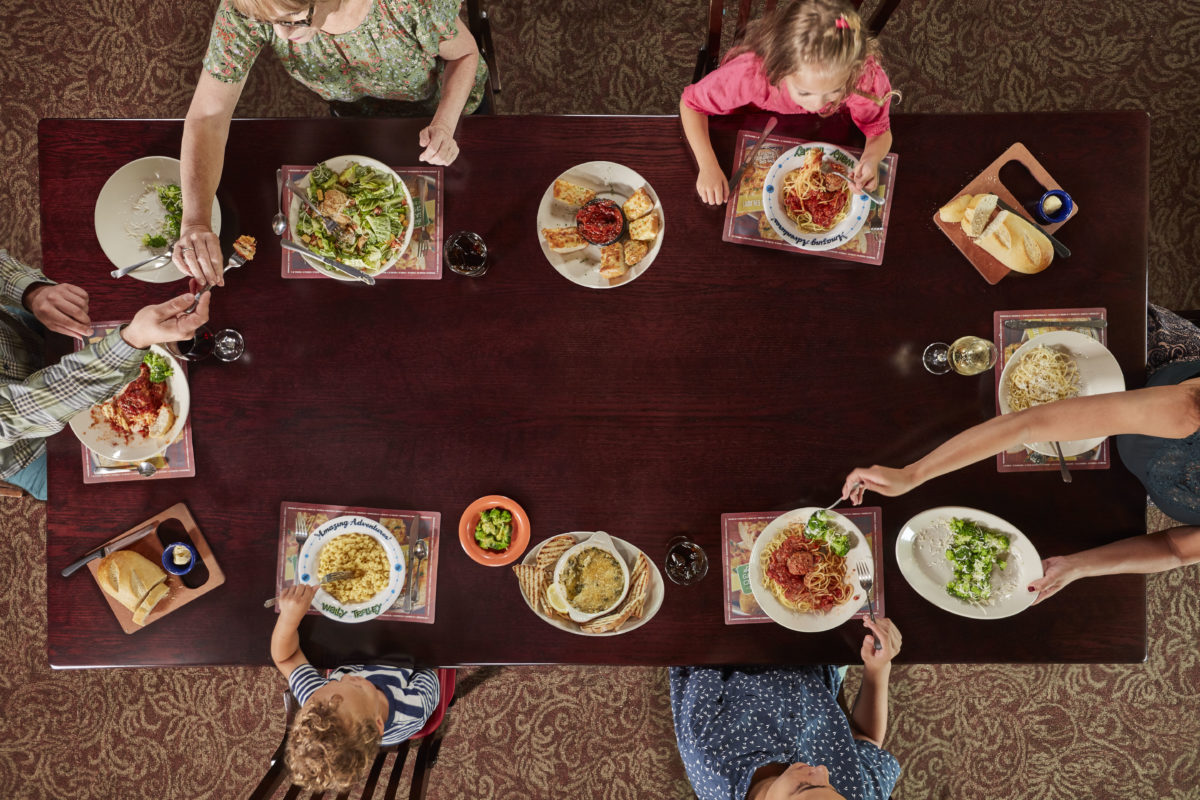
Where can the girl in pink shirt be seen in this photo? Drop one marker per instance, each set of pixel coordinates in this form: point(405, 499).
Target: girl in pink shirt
point(807, 57)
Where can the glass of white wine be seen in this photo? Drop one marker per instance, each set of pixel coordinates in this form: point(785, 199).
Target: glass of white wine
point(966, 355)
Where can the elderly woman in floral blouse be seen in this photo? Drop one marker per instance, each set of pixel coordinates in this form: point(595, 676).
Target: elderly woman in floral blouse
point(343, 50)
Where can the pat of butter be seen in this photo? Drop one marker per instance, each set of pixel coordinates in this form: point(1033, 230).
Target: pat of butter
point(181, 556)
point(1052, 204)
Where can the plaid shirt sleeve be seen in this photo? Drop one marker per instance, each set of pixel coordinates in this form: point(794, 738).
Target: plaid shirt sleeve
point(42, 403)
point(15, 280)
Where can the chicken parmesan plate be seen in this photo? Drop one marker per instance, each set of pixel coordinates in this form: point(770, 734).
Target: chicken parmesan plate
point(800, 577)
point(143, 418)
point(370, 206)
point(809, 209)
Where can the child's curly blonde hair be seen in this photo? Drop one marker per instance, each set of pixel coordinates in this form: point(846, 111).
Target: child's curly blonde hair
point(325, 751)
point(826, 35)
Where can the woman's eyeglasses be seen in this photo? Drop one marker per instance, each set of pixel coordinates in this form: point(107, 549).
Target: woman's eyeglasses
point(298, 23)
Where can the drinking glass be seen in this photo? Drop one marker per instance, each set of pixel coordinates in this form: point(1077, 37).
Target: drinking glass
point(686, 562)
point(194, 349)
point(228, 345)
point(967, 355)
point(466, 254)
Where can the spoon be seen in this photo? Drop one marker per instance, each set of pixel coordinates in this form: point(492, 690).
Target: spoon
point(420, 550)
point(278, 222)
point(1062, 464)
point(144, 468)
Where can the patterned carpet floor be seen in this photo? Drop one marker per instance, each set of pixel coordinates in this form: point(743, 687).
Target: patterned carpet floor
point(1047, 732)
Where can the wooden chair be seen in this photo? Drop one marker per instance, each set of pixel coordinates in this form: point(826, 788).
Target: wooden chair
point(8, 490)
point(480, 25)
point(710, 52)
point(429, 740)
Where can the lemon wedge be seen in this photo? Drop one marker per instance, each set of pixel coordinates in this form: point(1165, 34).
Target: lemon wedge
point(556, 596)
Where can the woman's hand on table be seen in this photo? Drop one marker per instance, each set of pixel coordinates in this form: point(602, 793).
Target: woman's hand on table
point(198, 254)
point(884, 480)
point(166, 322)
point(889, 637)
point(61, 307)
point(712, 185)
point(295, 601)
point(1057, 572)
point(439, 144)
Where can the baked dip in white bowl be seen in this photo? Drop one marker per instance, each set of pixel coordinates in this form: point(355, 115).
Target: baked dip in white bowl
point(591, 577)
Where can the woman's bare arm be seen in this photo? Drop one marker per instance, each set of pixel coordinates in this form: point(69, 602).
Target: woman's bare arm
point(1143, 554)
point(462, 60)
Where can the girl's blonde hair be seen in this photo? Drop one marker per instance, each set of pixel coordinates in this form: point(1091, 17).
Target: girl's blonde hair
point(325, 751)
point(827, 35)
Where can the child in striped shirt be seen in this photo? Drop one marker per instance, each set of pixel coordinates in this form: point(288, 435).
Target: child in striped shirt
point(343, 719)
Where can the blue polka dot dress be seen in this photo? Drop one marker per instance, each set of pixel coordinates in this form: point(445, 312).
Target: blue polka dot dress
point(731, 721)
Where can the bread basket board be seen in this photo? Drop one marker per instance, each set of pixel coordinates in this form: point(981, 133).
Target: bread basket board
point(178, 594)
point(988, 182)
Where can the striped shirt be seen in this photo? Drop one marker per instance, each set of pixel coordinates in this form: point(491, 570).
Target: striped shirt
point(35, 402)
point(412, 695)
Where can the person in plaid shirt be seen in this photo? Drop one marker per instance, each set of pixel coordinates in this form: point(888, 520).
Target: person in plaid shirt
point(37, 402)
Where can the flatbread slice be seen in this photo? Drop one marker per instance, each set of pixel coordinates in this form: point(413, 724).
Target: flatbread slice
point(563, 240)
point(552, 550)
point(639, 587)
point(529, 576)
point(572, 193)
point(609, 622)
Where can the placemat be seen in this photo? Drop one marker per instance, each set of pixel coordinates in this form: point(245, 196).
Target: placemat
point(427, 524)
point(427, 220)
point(1007, 342)
point(738, 534)
point(177, 461)
point(745, 223)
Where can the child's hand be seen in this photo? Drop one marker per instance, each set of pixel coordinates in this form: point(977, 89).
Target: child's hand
point(712, 185)
point(866, 175)
point(889, 637)
point(295, 600)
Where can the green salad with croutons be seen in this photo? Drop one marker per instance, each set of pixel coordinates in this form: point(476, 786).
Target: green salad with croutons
point(494, 531)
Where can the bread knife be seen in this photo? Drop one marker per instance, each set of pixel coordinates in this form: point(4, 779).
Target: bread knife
point(762, 137)
point(1059, 248)
point(108, 547)
point(339, 266)
point(1021, 324)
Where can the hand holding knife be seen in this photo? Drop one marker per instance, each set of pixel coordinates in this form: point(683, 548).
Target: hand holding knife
point(762, 137)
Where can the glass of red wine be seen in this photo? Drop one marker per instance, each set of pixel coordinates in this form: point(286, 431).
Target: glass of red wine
point(466, 254)
point(686, 562)
point(198, 347)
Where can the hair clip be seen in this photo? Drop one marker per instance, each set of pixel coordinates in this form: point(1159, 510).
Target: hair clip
point(842, 23)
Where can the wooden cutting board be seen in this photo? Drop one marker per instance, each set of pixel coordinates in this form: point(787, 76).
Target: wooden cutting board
point(178, 594)
point(988, 182)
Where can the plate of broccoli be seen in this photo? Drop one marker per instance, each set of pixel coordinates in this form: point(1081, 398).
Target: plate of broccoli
point(494, 530)
point(968, 562)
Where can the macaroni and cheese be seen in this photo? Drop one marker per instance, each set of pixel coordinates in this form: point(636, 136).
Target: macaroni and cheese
point(354, 551)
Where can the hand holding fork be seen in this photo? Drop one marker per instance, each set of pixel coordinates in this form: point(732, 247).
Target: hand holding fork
point(867, 581)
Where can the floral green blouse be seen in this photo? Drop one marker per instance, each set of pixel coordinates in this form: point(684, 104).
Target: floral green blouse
point(392, 54)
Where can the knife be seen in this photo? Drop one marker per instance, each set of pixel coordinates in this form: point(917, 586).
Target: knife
point(1021, 324)
point(762, 137)
point(108, 547)
point(302, 194)
point(1059, 247)
point(339, 266)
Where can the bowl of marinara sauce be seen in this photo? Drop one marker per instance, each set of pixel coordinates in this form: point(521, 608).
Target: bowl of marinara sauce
point(600, 221)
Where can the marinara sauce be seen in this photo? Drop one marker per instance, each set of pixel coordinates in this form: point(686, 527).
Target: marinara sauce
point(600, 222)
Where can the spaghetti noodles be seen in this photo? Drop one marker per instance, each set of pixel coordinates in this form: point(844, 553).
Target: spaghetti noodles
point(815, 201)
point(1042, 376)
point(803, 574)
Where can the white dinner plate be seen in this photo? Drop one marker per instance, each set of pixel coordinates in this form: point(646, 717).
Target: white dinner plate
point(120, 218)
point(1099, 373)
point(608, 180)
point(798, 620)
point(337, 164)
point(921, 554)
point(655, 591)
point(310, 556)
point(776, 214)
point(101, 439)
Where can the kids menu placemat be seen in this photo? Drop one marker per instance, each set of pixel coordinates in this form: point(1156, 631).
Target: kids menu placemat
point(422, 258)
point(177, 461)
point(740, 531)
point(745, 222)
point(406, 526)
point(1008, 341)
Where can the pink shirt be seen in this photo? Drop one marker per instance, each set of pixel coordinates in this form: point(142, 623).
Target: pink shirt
point(742, 82)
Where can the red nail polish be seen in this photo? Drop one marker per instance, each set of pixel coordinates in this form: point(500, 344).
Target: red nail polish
point(1032, 589)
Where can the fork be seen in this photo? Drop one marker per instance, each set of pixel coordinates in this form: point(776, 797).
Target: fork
point(123, 271)
point(867, 580)
point(301, 532)
point(331, 577)
point(828, 169)
point(236, 260)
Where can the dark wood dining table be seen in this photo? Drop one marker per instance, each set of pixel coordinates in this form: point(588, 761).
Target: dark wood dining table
point(726, 378)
